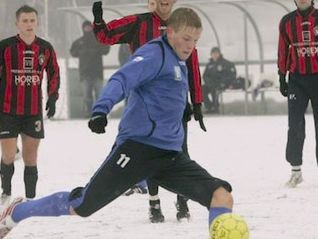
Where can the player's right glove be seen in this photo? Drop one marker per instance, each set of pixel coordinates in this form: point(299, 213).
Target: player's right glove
point(98, 12)
point(98, 122)
point(283, 85)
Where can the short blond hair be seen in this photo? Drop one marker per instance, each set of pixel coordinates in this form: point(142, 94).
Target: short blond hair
point(184, 17)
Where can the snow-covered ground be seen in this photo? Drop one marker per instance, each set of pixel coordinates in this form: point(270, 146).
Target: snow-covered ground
point(247, 151)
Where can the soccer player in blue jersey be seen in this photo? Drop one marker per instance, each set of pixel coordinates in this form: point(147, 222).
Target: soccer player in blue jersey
point(150, 137)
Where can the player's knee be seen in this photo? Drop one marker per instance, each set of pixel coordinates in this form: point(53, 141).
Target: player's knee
point(222, 198)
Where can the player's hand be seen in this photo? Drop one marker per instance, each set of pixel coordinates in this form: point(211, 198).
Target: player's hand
point(98, 12)
point(98, 122)
point(198, 116)
point(283, 85)
point(50, 106)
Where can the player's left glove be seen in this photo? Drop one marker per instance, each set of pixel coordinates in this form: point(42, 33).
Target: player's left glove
point(283, 85)
point(197, 112)
point(98, 12)
point(50, 106)
point(98, 122)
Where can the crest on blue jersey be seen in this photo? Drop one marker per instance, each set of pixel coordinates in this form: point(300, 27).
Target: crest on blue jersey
point(177, 73)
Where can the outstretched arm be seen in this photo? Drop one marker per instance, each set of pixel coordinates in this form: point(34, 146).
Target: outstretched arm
point(115, 32)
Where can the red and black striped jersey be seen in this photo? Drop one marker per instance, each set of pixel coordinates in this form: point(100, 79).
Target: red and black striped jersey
point(138, 29)
point(298, 43)
point(21, 74)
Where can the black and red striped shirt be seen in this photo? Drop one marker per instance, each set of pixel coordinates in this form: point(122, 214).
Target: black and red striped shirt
point(21, 74)
point(298, 43)
point(138, 29)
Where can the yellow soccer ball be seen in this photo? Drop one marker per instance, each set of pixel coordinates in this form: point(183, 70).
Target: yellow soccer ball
point(229, 226)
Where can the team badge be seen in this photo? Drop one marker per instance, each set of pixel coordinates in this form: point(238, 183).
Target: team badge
point(41, 59)
point(316, 30)
point(177, 73)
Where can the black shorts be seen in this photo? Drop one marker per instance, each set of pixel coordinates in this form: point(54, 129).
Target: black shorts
point(133, 162)
point(12, 125)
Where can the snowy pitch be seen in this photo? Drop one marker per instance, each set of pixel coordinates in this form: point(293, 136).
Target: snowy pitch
point(246, 151)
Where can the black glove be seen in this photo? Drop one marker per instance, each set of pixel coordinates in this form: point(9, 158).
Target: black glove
point(198, 115)
point(187, 113)
point(283, 85)
point(50, 106)
point(98, 12)
point(97, 123)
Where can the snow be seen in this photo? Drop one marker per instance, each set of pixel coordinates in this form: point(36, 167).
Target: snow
point(246, 151)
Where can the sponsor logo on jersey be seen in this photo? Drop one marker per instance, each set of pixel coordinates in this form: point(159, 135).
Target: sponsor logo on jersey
point(27, 80)
point(27, 63)
point(23, 71)
point(307, 51)
point(306, 36)
point(138, 58)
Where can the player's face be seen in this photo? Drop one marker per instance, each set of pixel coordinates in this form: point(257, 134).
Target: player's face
point(215, 55)
point(164, 7)
point(184, 40)
point(88, 28)
point(303, 4)
point(27, 24)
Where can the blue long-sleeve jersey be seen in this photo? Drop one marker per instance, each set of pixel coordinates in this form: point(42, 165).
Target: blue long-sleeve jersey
point(155, 82)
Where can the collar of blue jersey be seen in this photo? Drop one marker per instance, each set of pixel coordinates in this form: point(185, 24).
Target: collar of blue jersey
point(165, 40)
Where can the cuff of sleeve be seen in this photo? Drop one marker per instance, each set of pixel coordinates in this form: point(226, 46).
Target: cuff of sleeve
point(99, 26)
point(54, 96)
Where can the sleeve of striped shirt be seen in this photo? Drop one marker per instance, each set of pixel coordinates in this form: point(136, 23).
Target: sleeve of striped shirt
point(53, 74)
point(1, 57)
point(283, 47)
point(194, 77)
point(117, 31)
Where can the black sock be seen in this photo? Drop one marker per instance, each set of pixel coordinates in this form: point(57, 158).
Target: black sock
point(7, 171)
point(181, 198)
point(153, 203)
point(30, 180)
point(153, 187)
